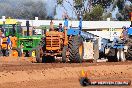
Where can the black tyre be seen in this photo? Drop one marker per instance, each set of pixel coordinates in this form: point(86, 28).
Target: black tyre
point(111, 54)
point(18, 50)
point(36, 52)
point(76, 49)
point(38, 59)
point(5, 52)
point(84, 81)
point(1, 54)
point(129, 51)
point(39, 55)
point(64, 54)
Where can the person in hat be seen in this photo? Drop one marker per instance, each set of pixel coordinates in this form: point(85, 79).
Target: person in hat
point(124, 33)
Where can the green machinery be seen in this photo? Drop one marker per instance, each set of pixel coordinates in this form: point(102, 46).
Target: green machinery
point(29, 41)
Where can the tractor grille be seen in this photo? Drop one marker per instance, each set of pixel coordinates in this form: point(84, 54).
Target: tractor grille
point(53, 41)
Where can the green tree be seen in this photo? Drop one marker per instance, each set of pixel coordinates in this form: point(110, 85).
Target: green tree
point(80, 8)
point(95, 14)
point(77, 6)
point(108, 6)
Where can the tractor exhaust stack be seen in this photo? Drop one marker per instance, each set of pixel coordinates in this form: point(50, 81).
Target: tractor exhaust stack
point(27, 24)
point(51, 26)
point(131, 19)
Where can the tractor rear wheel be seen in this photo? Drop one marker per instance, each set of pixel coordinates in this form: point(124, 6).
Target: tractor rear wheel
point(64, 53)
point(76, 50)
point(16, 52)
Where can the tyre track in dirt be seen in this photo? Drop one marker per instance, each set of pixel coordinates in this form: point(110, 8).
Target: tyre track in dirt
point(23, 66)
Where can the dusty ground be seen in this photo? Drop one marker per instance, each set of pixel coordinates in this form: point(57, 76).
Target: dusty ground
point(57, 75)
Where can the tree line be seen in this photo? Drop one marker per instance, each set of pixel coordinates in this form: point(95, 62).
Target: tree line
point(90, 9)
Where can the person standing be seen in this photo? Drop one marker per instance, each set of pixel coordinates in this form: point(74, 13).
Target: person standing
point(22, 46)
point(9, 44)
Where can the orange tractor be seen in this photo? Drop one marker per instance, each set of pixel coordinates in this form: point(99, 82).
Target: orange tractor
point(67, 44)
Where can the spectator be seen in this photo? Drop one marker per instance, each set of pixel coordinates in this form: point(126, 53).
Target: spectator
point(9, 44)
point(22, 47)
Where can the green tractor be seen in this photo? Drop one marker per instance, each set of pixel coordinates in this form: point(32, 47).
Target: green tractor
point(29, 41)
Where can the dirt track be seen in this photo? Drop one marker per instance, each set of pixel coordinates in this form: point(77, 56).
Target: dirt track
point(58, 75)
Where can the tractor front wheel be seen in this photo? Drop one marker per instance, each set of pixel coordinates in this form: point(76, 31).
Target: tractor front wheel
point(35, 52)
point(16, 52)
point(5, 52)
point(32, 53)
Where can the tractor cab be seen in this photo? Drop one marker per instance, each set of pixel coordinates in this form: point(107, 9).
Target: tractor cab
point(11, 27)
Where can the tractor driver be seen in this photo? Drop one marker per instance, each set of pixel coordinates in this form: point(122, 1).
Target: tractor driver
point(60, 27)
point(124, 33)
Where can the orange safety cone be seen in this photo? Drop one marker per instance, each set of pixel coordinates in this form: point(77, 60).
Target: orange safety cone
point(83, 73)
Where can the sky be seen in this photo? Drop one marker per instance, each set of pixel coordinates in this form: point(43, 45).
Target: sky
point(69, 11)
